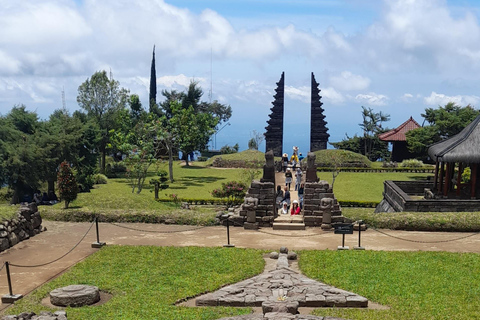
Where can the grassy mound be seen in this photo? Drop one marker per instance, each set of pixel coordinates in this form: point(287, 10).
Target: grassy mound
point(247, 158)
point(343, 158)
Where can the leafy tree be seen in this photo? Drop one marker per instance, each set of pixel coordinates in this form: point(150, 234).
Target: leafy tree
point(369, 145)
point(192, 99)
point(226, 149)
point(67, 184)
point(153, 85)
point(137, 112)
point(102, 98)
point(357, 144)
point(191, 130)
point(139, 146)
point(372, 126)
point(159, 183)
point(256, 140)
point(443, 123)
point(233, 191)
point(23, 159)
point(73, 141)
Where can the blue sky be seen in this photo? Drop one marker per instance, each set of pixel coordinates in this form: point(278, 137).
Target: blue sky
point(395, 56)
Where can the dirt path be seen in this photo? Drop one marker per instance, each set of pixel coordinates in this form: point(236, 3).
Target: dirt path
point(62, 236)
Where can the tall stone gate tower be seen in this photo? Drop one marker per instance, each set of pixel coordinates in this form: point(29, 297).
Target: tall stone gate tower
point(318, 129)
point(274, 134)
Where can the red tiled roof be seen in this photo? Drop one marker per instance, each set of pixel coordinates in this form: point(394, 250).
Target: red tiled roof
point(398, 134)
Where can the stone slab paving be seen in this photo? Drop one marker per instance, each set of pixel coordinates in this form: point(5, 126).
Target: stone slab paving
point(279, 316)
point(278, 283)
point(282, 285)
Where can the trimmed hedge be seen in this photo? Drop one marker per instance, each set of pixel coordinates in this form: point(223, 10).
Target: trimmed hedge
point(357, 169)
point(343, 203)
point(204, 201)
point(358, 204)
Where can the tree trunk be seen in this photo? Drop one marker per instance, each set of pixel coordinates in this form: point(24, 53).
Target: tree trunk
point(51, 186)
point(157, 189)
point(16, 196)
point(170, 163)
point(66, 204)
point(185, 155)
point(104, 155)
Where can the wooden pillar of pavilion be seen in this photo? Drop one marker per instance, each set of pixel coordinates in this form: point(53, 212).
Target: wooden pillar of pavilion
point(440, 182)
point(446, 185)
point(459, 178)
point(435, 178)
point(473, 180)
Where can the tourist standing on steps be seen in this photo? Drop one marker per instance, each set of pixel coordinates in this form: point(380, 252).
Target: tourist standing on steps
point(279, 197)
point(295, 208)
point(298, 178)
point(300, 194)
point(284, 209)
point(286, 197)
point(294, 160)
point(300, 158)
point(285, 162)
point(288, 178)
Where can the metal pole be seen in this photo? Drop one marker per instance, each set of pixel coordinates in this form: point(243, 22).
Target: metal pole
point(343, 240)
point(360, 223)
point(228, 233)
point(10, 298)
point(8, 278)
point(97, 244)
point(96, 227)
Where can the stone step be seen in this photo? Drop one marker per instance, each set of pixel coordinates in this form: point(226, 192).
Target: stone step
point(287, 218)
point(288, 226)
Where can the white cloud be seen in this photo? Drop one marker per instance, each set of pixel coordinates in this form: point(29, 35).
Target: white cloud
point(332, 96)
point(440, 99)
point(348, 81)
point(300, 93)
point(372, 99)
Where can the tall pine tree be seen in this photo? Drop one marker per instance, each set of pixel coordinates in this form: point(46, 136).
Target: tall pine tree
point(153, 85)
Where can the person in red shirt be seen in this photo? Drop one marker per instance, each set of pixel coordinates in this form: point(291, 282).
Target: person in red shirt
point(295, 208)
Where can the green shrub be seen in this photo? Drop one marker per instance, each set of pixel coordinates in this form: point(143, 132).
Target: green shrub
point(411, 163)
point(100, 179)
point(67, 184)
point(341, 158)
point(5, 194)
point(233, 191)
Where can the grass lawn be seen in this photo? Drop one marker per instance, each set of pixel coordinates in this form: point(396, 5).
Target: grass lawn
point(365, 186)
point(146, 281)
point(415, 285)
point(7, 211)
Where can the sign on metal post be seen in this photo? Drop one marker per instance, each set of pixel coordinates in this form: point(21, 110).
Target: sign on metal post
point(343, 228)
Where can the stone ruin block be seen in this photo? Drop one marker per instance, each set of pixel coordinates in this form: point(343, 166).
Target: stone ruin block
point(250, 226)
point(307, 212)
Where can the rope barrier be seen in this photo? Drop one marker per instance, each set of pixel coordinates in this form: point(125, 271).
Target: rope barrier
point(156, 231)
point(420, 241)
point(277, 234)
point(3, 266)
point(47, 263)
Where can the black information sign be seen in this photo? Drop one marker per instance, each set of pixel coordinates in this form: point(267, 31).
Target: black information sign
point(343, 228)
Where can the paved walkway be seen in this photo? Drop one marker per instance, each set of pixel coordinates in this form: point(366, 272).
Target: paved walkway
point(60, 237)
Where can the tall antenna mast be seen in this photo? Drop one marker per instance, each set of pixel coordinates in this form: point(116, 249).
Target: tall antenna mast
point(64, 104)
point(210, 94)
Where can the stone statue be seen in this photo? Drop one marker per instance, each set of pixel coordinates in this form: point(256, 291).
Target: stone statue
point(311, 175)
point(269, 168)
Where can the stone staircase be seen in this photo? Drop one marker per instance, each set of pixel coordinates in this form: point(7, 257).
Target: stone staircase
point(289, 222)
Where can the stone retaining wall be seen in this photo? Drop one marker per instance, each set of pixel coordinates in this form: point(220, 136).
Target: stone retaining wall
point(26, 224)
point(317, 201)
point(259, 206)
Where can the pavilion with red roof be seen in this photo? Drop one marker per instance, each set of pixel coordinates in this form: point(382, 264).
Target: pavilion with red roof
point(399, 140)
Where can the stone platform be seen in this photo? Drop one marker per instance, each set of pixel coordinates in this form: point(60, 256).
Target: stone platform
point(282, 285)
